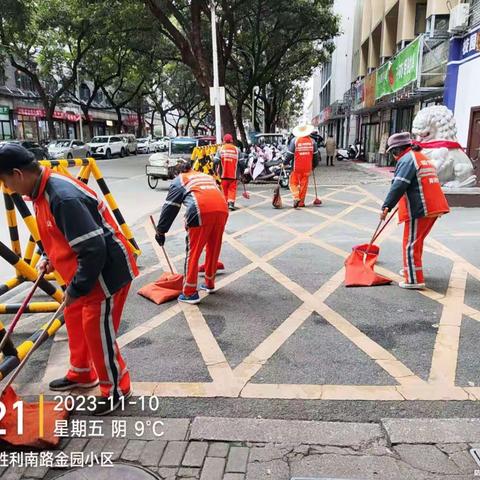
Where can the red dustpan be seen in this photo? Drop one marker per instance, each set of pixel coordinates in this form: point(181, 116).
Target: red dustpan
point(359, 265)
point(168, 287)
point(38, 423)
point(220, 267)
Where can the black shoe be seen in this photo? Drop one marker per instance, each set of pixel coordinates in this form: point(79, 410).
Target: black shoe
point(231, 206)
point(105, 405)
point(296, 203)
point(64, 384)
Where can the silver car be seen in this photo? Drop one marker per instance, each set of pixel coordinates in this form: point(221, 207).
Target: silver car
point(68, 148)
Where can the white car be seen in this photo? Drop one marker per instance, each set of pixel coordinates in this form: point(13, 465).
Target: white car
point(162, 144)
point(68, 148)
point(107, 146)
point(145, 145)
point(130, 143)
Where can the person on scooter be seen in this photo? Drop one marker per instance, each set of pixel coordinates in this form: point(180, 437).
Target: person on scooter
point(227, 160)
point(303, 152)
point(205, 218)
point(415, 186)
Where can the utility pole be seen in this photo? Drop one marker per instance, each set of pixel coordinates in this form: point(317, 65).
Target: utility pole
point(216, 82)
point(79, 106)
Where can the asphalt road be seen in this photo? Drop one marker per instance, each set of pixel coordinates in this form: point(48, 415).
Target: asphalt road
point(283, 338)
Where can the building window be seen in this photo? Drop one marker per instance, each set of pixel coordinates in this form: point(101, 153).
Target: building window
point(84, 92)
point(420, 18)
point(474, 13)
point(3, 76)
point(23, 81)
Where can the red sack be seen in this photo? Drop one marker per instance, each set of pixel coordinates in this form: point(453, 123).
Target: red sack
point(359, 267)
point(220, 266)
point(168, 287)
point(31, 422)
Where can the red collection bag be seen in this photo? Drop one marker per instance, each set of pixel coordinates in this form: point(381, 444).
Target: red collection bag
point(359, 265)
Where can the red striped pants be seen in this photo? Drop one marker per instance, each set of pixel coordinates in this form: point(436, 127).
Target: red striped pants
point(207, 236)
point(92, 323)
point(414, 234)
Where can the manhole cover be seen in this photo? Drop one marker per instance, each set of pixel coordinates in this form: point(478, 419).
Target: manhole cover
point(119, 471)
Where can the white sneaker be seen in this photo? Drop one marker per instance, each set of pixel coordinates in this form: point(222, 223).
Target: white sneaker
point(401, 272)
point(412, 286)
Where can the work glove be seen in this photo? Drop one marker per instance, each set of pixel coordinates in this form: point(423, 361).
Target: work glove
point(160, 238)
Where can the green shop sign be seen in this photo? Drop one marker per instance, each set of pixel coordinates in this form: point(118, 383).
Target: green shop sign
point(4, 110)
point(399, 72)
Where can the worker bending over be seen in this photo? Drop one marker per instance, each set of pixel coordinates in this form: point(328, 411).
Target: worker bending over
point(205, 218)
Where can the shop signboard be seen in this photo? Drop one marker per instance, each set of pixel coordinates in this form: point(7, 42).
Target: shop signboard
point(4, 110)
point(471, 44)
point(370, 85)
point(40, 112)
point(398, 72)
point(358, 94)
point(325, 115)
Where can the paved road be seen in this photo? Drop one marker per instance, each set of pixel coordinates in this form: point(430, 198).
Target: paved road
point(283, 338)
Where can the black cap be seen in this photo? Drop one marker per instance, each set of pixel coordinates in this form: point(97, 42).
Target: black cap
point(13, 155)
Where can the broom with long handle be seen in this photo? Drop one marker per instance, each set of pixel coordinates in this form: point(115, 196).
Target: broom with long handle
point(317, 201)
point(378, 231)
point(22, 308)
point(163, 248)
point(37, 343)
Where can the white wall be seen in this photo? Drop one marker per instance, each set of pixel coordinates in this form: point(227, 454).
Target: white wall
point(342, 56)
point(468, 95)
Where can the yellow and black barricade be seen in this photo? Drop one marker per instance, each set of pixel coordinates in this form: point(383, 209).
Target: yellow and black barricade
point(24, 264)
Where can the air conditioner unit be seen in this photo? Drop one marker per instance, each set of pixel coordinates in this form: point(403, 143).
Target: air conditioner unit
point(459, 18)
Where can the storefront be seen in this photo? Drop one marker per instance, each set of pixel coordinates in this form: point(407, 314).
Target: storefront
point(6, 128)
point(31, 124)
point(463, 69)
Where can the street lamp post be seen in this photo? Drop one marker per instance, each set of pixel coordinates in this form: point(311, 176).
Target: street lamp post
point(216, 82)
point(79, 106)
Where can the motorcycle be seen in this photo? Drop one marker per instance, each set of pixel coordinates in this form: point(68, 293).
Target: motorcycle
point(353, 152)
point(260, 169)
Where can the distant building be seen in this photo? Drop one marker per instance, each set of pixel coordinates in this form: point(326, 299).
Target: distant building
point(22, 114)
point(398, 64)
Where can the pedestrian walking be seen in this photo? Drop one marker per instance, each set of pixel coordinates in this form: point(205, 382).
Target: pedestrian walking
point(303, 152)
point(415, 186)
point(205, 218)
point(330, 149)
point(83, 243)
point(227, 160)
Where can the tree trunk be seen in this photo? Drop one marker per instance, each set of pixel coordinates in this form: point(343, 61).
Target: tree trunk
point(228, 122)
point(241, 128)
point(119, 120)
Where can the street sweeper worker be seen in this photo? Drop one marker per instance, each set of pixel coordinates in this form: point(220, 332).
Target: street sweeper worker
point(303, 152)
point(227, 161)
point(415, 186)
point(83, 243)
point(205, 218)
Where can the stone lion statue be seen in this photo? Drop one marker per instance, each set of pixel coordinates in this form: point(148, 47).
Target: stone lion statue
point(436, 131)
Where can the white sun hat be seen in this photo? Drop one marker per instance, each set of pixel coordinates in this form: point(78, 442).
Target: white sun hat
point(303, 130)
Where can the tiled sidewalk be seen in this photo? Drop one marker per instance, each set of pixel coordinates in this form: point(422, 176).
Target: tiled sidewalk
point(257, 449)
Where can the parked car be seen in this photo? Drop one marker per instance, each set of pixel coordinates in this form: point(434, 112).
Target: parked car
point(162, 165)
point(107, 146)
point(40, 152)
point(68, 148)
point(145, 145)
point(162, 144)
point(131, 145)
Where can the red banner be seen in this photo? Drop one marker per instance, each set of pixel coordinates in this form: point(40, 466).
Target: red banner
point(40, 112)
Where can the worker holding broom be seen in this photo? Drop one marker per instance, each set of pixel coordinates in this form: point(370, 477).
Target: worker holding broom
point(415, 186)
point(205, 218)
point(227, 161)
point(303, 152)
point(83, 243)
